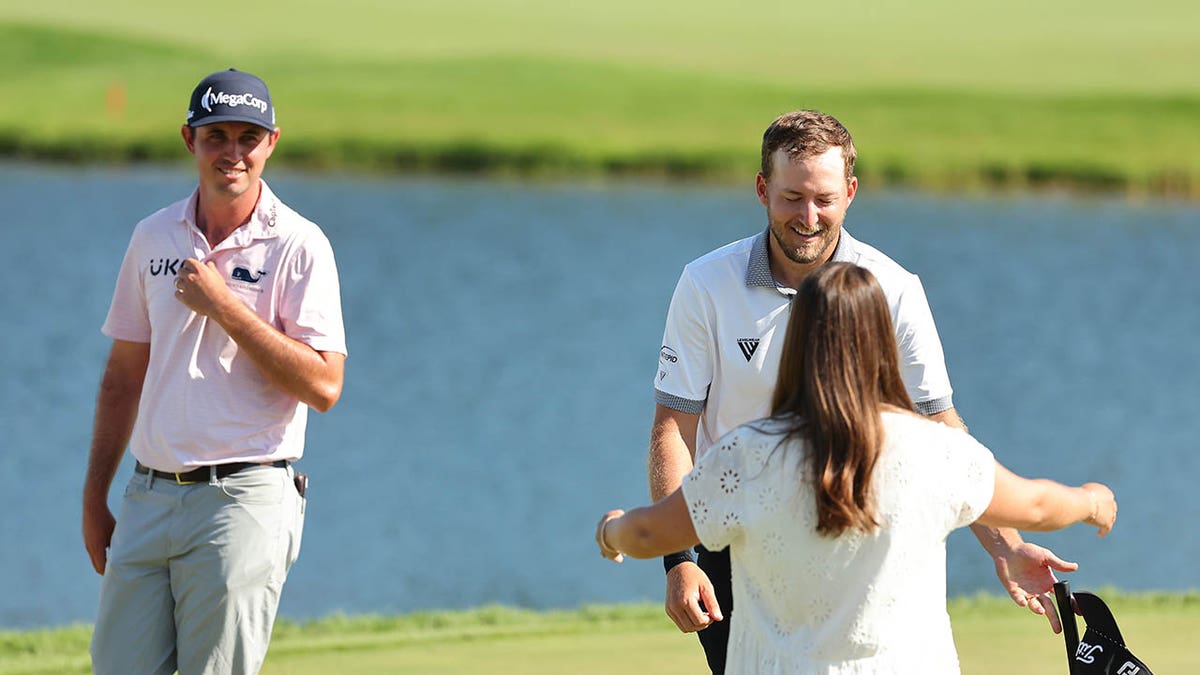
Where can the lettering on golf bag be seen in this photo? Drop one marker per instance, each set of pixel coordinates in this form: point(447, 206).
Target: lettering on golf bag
point(1087, 653)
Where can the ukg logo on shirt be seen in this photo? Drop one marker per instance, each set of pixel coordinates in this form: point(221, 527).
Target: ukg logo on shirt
point(211, 98)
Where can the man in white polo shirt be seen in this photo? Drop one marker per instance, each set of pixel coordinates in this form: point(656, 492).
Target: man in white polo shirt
point(227, 326)
point(721, 352)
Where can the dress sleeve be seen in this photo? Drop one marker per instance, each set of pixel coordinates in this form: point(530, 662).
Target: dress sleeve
point(971, 473)
point(714, 492)
point(685, 360)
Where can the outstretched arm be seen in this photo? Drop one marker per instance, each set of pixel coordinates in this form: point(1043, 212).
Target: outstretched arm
point(647, 531)
point(1044, 505)
point(1026, 571)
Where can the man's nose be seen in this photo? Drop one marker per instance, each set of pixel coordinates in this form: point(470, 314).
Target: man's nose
point(232, 150)
point(811, 214)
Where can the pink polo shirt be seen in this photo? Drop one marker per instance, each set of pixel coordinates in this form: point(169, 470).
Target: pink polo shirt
point(203, 402)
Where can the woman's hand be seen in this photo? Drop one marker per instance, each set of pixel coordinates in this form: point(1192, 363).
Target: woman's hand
point(601, 539)
point(1104, 507)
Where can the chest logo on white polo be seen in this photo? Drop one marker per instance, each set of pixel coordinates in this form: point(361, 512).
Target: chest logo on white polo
point(748, 347)
point(164, 266)
point(243, 274)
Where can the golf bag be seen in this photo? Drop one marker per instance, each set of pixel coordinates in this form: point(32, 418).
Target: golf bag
point(1102, 650)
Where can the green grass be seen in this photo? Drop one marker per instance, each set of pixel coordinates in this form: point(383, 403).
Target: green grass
point(1047, 46)
point(938, 95)
point(993, 638)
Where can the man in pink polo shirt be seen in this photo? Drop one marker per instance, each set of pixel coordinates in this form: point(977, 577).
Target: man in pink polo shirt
point(227, 326)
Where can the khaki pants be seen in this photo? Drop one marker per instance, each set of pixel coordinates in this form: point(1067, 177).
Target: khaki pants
point(194, 573)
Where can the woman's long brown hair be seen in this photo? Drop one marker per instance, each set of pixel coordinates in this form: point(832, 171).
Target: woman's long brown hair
point(840, 366)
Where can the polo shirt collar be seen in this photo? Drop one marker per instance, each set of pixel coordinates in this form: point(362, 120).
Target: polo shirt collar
point(758, 271)
point(260, 226)
point(846, 249)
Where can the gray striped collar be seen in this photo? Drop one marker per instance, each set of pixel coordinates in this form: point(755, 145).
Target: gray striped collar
point(758, 271)
point(846, 249)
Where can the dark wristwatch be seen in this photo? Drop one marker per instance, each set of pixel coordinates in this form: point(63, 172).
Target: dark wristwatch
point(672, 559)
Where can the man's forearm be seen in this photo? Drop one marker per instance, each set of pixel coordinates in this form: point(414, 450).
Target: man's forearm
point(116, 412)
point(287, 363)
point(669, 463)
point(672, 439)
point(112, 429)
point(996, 541)
point(671, 457)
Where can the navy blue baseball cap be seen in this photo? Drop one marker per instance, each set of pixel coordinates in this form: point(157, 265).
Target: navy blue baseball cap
point(231, 96)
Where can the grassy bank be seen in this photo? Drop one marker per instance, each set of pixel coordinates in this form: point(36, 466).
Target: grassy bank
point(939, 97)
point(992, 636)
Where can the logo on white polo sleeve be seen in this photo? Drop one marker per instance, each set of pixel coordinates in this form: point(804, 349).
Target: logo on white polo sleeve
point(748, 347)
point(666, 357)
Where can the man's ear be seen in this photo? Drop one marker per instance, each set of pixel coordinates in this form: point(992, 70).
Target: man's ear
point(189, 138)
point(272, 139)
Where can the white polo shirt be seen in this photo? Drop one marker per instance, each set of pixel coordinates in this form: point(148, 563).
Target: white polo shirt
point(725, 328)
point(203, 402)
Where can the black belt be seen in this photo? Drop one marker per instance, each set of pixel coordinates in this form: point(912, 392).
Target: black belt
point(202, 474)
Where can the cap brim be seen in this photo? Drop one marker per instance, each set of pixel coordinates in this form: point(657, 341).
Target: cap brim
point(214, 119)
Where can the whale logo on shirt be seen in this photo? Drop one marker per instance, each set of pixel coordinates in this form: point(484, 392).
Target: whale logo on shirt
point(243, 274)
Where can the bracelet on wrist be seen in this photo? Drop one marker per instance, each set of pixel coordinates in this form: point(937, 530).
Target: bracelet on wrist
point(672, 559)
point(604, 535)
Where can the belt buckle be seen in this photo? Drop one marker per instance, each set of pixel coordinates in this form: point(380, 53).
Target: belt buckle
point(179, 481)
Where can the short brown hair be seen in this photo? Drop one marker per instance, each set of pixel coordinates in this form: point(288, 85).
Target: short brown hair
point(840, 367)
point(807, 133)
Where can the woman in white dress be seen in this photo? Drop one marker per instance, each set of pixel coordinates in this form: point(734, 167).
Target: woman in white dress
point(837, 507)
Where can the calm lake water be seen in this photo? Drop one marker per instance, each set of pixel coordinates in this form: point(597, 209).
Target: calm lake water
point(503, 342)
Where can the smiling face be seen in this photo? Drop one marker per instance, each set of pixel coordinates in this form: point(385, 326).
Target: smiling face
point(230, 156)
point(806, 200)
